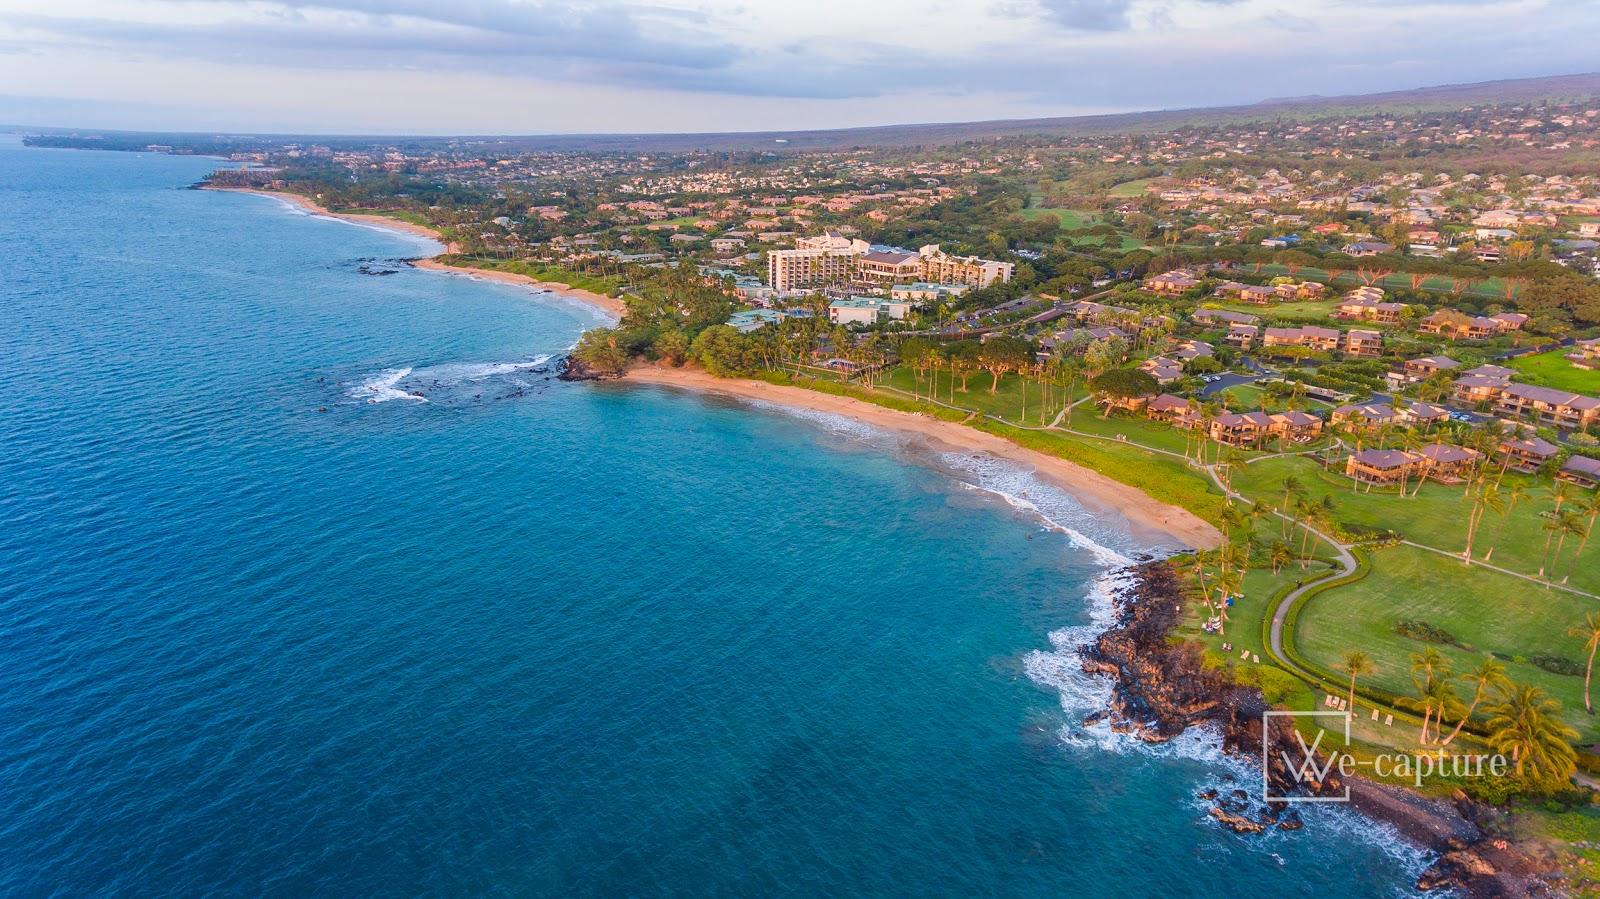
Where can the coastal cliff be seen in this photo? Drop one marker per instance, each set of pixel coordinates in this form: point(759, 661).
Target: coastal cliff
point(1162, 687)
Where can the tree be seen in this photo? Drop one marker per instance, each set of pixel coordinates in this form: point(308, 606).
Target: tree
point(673, 346)
point(720, 350)
point(1356, 663)
point(1589, 633)
point(1003, 354)
point(1427, 669)
point(600, 352)
point(1526, 726)
point(1281, 555)
point(1489, 675)
point(1122, 384)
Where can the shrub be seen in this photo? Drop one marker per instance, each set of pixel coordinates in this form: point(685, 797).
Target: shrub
point(1558, 665)
point(1424, 632)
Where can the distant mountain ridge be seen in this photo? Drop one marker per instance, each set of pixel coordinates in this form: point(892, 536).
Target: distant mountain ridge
point(1562, 87)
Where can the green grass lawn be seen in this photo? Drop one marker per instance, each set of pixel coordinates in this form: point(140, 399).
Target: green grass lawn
point(1316, 311)
point(1008, 401)
point(1553, 370)
point(399, 215)
point(1130, 188)
point(1485, 611)
point(1135, 428)
point(1071, 219)
point(1435, 517)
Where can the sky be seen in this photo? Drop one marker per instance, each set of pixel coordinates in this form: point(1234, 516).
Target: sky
point(530, 66)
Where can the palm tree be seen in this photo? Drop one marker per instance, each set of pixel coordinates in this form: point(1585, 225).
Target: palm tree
point(1489, 675)
point(1486, 499)
point(1356, 663)
point(1589, 506)
point(1560, 491)
point(1427, 667)
point(1443, 698)
point(1568, 525)
point(1589, 633)
point(1514, 494)
point(1291, 487)
point(1526, 726)
point(1281, 556)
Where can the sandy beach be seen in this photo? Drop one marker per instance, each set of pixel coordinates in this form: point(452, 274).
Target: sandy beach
point(1097, 492)
point(610, 305)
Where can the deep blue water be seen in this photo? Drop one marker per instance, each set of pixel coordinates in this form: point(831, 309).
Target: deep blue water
point(260, 635)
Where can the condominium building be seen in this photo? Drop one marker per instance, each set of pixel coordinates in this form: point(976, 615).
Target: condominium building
point(814, 262)
point(942, 268)
point(834, 259)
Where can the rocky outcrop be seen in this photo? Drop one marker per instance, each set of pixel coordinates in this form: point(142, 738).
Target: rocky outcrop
point(1163, 687)
point(572, 369)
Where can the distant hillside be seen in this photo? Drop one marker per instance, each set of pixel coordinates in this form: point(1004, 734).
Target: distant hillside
point(1449, 96)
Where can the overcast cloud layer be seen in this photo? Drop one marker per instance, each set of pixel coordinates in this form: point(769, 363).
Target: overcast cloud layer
point(525, 66)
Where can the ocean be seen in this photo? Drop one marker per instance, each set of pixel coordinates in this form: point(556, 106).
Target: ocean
point(313, 581)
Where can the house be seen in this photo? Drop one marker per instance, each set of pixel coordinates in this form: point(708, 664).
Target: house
point(1581, 470)
point(1163, 369)
point(1478, 386)
point(1365, 418)
point(1460, 326)
point(1424, 415)
point(1559, 408)
point(1527, 454)
point(1190, 350)
point(1307, 336)
point(1295, 426)
point(1241, 336)
point(1586, 353)
point(1174, 410)
point(1447, 463)
point(1223, 316)
point(1383, 466)
point(1368, 248)
point(1426, 367)
point(1241, 428)
point(1257, 294)
point(1368, 309)
point(1173, 282)
point(1363, 344)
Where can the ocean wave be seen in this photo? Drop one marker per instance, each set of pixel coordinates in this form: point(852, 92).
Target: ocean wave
point(1026, 492)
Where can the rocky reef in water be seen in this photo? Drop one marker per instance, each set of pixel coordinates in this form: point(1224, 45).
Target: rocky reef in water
point(1162, 688)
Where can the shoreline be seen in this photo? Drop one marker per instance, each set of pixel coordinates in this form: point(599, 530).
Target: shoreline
point(609, 305)
point(1100, 494)
point(1161, 689)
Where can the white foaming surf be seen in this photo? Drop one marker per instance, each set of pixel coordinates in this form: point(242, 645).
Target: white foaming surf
point(399, 383)
point(1082, 694)
point(1025, 491)
point(383, 387)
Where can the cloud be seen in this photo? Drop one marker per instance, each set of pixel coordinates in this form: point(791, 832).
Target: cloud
point(367, 32)
point(1090, 15)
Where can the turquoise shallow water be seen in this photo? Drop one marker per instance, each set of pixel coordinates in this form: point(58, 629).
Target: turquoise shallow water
point(521, 637)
